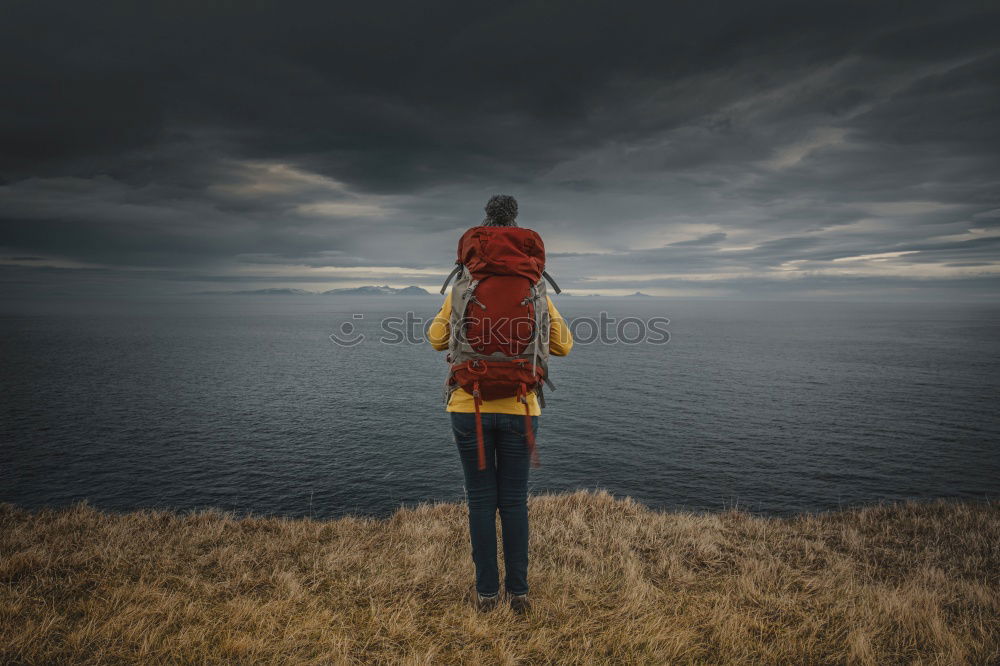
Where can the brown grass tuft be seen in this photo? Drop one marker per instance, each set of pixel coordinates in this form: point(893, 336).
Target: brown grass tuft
point(611, 581)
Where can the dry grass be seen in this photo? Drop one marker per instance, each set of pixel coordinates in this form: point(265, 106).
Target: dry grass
point(612, 581)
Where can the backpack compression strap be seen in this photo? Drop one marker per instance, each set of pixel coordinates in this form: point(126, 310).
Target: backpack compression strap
point(476, 399)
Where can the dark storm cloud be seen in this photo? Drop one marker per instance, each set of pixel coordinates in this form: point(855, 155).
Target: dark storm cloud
point(223, 141)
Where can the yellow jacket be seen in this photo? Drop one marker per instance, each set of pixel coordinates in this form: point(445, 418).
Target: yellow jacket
point(560, 342)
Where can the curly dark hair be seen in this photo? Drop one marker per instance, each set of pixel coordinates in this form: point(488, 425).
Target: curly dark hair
point(501, 211)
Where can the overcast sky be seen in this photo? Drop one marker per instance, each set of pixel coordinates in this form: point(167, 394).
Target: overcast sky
point(724, 149)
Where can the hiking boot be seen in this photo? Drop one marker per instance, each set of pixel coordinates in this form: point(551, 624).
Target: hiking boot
point(519, 603)
point(486, 604)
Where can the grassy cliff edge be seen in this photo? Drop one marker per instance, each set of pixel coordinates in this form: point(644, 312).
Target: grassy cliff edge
point(611, 581)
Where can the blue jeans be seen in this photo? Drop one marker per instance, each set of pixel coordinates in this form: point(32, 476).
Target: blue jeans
point(502, 486)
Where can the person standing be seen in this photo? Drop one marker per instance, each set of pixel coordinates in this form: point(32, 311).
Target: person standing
point(498, 430)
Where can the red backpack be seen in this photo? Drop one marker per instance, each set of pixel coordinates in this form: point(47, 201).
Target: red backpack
point(499, 344)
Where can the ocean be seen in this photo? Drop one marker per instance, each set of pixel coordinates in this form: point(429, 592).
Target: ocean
point(245, 403)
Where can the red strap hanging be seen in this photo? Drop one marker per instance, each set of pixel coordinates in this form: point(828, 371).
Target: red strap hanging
point(529, 432)
point(476, 399)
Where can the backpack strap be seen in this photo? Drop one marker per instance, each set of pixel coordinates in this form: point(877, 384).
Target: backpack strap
point(453, 273)
point(548, 277)
point(541, 323)
point(532, 296)
point(449, 387)
point(458, 345)
point(476, 399)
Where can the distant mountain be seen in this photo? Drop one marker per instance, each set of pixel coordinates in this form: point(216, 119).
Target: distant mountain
point(639, 294)
point(384, 290)
point(413, 290)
